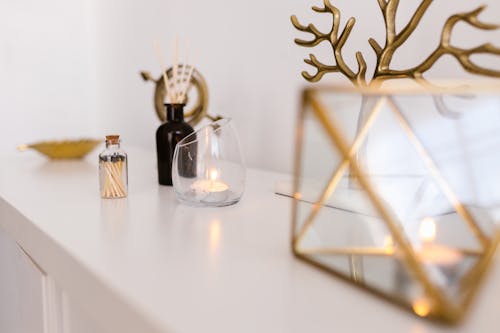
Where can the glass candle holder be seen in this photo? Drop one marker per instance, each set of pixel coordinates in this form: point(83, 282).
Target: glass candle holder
point(208, 168)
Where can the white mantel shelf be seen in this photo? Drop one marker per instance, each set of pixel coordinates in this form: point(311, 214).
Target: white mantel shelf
point(150, 264)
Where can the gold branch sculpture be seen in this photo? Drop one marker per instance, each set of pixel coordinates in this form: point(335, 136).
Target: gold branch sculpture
point(393, 41)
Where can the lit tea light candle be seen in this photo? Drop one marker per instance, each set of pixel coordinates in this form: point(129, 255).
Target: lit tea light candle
point(439, 255)
point(212, 184)
point(431, 253)
point(428, 252)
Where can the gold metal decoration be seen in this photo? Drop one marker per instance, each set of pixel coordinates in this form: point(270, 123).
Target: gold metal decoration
point(433, 271)
point(194, 114)
point(434, 276)
point(65, 149)
point(394, 40)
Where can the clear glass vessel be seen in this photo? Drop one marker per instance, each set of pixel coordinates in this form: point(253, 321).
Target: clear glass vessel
point(208, 168)
point(113, 170)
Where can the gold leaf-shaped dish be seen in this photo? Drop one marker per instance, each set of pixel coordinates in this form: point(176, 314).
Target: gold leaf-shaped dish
point(64, 149)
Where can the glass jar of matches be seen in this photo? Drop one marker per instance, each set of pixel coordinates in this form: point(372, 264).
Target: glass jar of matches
point(113, 171)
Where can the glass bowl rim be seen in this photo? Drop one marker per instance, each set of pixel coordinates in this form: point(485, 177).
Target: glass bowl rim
point(219, 123)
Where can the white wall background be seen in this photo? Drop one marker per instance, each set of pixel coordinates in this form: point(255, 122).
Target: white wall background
point(47, 71)
point(71, 68)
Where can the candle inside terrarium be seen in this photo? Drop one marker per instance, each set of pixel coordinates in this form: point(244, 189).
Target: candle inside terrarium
point(431, 253)
point(427, 250)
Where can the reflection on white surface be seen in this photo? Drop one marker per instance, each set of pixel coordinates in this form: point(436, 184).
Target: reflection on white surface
point(66, 168)
point(114, 214)
point(215, 235)
point(419, 328)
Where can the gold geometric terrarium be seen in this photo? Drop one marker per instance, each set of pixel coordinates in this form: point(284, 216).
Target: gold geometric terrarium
point(405, 202)
point(397, 190)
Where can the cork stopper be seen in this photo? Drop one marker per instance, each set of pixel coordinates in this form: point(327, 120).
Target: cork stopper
point(112, 139)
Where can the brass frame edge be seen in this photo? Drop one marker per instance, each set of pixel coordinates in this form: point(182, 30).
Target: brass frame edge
point(443, 311)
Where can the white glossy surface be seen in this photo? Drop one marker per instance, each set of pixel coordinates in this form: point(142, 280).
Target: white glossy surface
point(147, 263)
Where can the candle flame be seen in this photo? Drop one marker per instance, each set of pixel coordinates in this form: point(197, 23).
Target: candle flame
point(428, 230)
point(213, 173)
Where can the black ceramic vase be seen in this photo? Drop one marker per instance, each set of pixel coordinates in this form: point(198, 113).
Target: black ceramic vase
point(167, 136)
